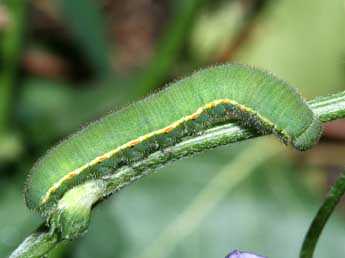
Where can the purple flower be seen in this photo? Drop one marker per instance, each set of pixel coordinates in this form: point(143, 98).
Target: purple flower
point(238, 254)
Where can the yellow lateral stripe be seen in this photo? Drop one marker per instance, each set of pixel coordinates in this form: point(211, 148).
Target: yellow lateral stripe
point(166, 129)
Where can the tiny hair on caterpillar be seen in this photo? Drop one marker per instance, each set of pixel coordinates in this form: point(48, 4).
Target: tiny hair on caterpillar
point(216, 95)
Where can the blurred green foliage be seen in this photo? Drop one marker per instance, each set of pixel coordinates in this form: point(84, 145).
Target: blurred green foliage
point(87, 25)
point(301, 41)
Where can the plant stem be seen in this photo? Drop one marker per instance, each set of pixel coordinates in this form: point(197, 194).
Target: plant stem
point(322, 217)
point(328, 108)
point(37, 244)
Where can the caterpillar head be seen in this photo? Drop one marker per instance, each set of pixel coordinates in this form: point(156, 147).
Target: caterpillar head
point(310, 136)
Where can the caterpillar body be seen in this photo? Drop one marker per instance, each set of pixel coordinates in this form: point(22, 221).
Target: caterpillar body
point(184, 109)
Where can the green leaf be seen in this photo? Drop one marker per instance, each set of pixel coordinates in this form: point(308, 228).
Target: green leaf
point(83, 17)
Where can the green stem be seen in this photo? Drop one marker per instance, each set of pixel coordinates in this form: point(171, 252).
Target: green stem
point(37, 244)
point(328, 108)
point(322, 217)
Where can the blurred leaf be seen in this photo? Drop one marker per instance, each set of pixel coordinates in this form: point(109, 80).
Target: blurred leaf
point(106, 236)
point(169, 46)
point(16, 220)
point(215, 30)
point(302, 42)
point(61, 109)
point(83, 17)
point(10, 49)
point(10, 147)
point(228, 178)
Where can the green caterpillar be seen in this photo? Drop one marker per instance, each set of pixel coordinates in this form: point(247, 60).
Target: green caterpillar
point(184, 109)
